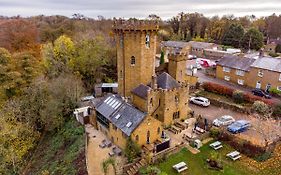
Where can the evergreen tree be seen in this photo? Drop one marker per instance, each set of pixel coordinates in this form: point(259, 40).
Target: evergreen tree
point(233, 35)
point(253, 39)
point(162, 61)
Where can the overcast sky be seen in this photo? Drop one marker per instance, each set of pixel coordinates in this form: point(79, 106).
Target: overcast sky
point(138, 8)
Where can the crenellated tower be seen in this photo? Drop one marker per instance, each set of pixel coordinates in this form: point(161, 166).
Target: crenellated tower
point(177, 66)
point(136, 49)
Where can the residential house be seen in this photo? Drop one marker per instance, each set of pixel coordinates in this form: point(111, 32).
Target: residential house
point(197, 48)
point(234, 69)
point(265, 73)
point(271, 45)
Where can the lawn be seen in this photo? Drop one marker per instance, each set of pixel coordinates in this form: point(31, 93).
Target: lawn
point(197, 163)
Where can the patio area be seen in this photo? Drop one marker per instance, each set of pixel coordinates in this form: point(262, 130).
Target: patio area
point(96, 155)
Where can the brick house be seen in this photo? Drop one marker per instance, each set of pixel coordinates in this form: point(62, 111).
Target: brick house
point(262, 72)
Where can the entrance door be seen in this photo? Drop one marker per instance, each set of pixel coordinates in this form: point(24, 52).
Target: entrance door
point(268, 86)
point(258, 85)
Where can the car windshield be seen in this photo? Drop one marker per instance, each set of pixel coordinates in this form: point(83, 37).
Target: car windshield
point(223, 118)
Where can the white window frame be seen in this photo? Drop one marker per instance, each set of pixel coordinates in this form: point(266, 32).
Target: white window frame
point(260, 73)
point(227, 78)
point(240, 72)
point(280, 77)
point(226, 69)
point(279, 88)
point(240, 81)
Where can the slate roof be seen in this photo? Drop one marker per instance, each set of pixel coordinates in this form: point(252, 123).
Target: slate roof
point(175, 44)
point(120, 113)
point(236, 62)
point(166, 81)
point(141, 91)
point(201, 45)
point(268, 63)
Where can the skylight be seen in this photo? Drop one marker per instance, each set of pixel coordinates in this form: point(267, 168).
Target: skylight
point(117, 116)
point(129, 124)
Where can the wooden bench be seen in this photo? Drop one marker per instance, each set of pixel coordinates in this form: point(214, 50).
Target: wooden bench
point(180, 167)
point(216, 145)
point(235, 155)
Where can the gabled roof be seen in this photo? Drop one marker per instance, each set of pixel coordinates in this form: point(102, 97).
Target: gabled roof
point(268, 63)
point(120, 113)
point(175, 44)
point(236, 62)
point(141, 91)
point(201, 45)
point(166, 81)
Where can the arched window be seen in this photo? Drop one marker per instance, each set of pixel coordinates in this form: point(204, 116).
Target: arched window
point(147, 40)
point(137, 138)
point(148, 137)
point(133, 60)
point(151, 101)
point(176, 98)
point(158, 130)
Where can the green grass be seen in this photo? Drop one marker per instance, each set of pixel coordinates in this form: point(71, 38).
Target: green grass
point(197, 162)
point(61, 152)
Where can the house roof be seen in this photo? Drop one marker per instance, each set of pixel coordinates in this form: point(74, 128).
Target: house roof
point(141, 91)
point(175, 44)
point(166, 81)
point(268, 63)
point(120, 113)
point(201, 45)
point(236, 62)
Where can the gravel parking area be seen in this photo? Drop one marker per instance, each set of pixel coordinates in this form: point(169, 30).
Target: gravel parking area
point(257, 134)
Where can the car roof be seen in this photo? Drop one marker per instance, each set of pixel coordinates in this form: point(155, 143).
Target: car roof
point(242, 122)
point(226, 116)
point(201, 98)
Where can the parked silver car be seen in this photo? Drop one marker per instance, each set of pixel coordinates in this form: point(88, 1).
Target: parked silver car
point(200, 101)
point(223, 121)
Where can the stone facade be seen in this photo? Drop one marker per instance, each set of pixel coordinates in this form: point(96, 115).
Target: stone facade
point(136, 50)
point(177, 66)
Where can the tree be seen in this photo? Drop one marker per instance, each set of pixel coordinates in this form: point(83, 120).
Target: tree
point(233, 35)
point(162, 61)
point(253, 39)
point(278, 48)
point(132, 150)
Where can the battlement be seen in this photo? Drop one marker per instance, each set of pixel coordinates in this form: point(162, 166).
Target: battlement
point(177, 56)
point(135, 25)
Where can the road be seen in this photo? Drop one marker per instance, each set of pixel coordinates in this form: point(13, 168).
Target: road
point(259, 130)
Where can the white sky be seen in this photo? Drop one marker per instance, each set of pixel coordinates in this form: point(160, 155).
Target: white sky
point(138, 8)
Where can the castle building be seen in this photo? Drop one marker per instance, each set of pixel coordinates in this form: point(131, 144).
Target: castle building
point(146, 102)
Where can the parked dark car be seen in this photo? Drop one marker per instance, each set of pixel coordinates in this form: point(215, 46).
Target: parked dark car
point(239, 126)
point(261, 93)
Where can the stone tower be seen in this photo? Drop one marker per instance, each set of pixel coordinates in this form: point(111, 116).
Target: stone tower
point(177, 66)
point(136, 49)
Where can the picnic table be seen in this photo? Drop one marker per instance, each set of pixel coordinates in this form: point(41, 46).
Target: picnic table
point(234, 155)
point(180, 167)
point(216, 145)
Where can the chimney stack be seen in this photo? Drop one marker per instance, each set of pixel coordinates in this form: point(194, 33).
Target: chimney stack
point(154, 82)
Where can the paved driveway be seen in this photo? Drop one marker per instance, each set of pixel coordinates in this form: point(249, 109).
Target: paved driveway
point(260, 129)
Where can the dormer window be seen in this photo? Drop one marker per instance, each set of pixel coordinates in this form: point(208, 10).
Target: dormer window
point(133, 60)
point(147, 40)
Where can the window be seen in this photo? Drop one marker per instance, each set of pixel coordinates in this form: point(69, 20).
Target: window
point(226, 69)
point(260, 73)
point(133, 60)
point(227, 78)
point(240, 72)
point(241, 82)
point(158, 130)
point(121, 74)
point(280, 77)
point(137, 138)
point(176, 98)
point(151, 101)
point(279, 88)
point(147, 40)
point(176, 115)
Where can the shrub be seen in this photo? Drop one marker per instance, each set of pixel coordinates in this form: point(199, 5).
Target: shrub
point(238, 96)
point(278, 48)
point(252, 98)
point(132, 150)
point(260, 107)
point(217, 88)
point(277, 111)
point(274, 91)
point(272, 54)
point(214, 132)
